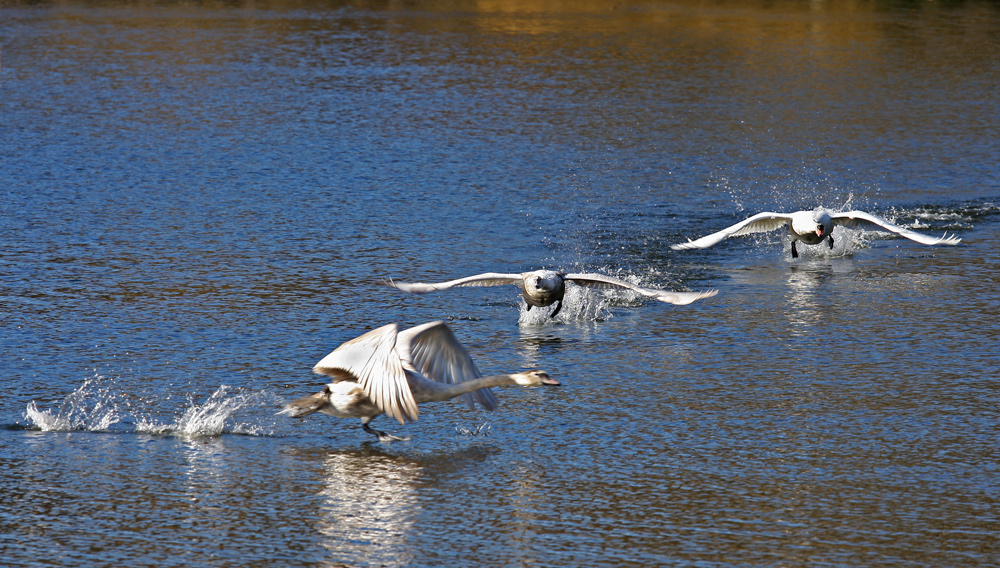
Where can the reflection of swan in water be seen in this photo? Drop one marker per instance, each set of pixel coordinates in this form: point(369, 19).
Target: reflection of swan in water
point(370, 506)
point(812, 228)
point(388, 372)
point(803, 311)
point(372, 500)
point(546, 287)
point(809, 309)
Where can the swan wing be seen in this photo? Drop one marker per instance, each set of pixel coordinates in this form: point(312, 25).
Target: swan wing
point(485, 279)
point(433, 351)
point(606, 282)
point(867, 221)
point(374, 362)
point(759, 223)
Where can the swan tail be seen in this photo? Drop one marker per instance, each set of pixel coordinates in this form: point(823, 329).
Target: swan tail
point(302, 407)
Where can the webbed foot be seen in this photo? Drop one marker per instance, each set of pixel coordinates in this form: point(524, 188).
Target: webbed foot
point(383, 436)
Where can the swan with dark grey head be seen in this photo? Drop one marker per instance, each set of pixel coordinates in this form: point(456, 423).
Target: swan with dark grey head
point(542, 288)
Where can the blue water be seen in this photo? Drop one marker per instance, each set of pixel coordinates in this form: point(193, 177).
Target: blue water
point(198, 201)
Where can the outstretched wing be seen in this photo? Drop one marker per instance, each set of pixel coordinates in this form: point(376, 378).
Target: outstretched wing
point(433, 351)
point(374, 362)
point(866, 221)
point(759, 223)
point(608, 282)
point(486, 279)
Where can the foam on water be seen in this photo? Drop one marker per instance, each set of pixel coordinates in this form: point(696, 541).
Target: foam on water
point(100, 406)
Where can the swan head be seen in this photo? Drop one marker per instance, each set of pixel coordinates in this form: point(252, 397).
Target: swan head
point(824, 224)
point(543, 287)
point(544, 281)
point(809, 223)
point(534, 379)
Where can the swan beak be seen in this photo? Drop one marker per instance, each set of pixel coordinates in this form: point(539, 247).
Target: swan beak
point(547, 380)
point(819, 232)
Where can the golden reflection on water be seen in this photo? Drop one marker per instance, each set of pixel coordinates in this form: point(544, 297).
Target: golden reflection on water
point(370, 505)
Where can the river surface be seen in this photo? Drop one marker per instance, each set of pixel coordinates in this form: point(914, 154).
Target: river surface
point(199, 200)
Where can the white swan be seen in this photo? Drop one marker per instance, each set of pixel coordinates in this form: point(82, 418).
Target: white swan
point(546, 287)
point(812, 227)
point(390, 372)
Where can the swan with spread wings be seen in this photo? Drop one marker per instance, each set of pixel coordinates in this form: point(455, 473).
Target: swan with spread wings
point(386, 371)
point(541, 288)
point(812, 228)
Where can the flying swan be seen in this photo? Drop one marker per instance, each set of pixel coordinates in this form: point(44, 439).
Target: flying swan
point(545, 287)
point(812, 227)
point(389, 372)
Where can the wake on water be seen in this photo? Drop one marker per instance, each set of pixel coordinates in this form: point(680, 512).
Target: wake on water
point(100, 406)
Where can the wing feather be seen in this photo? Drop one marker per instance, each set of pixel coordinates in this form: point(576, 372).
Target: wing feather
point(608, 282)
point(485, 279)
point(867, 221)
point(374, 362)
point(759, 223)
point(433, 351)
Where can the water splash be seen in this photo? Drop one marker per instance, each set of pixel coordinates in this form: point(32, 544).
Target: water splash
point(480, 430)
point(845, 242)
point(94, 407)
point(99, 405)
point(579, 304)
point(218, 415)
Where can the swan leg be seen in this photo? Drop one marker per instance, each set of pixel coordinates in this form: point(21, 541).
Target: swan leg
point(831, 242)
point(382, 436)
point(795, 253)
point(556, 311)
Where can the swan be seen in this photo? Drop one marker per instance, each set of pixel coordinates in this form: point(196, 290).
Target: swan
point(812, 227)
point(386, 371)
point(545, 287)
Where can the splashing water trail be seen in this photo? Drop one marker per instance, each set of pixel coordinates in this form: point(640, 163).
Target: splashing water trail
point(98, 405)
point(216, 415)
point(210, 418)
point(94, 406)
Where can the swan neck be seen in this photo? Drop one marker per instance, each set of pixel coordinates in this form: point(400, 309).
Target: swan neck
point(482, 383)
point(429, 391)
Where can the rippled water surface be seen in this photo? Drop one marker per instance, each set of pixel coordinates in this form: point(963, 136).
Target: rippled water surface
point(200, 200)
